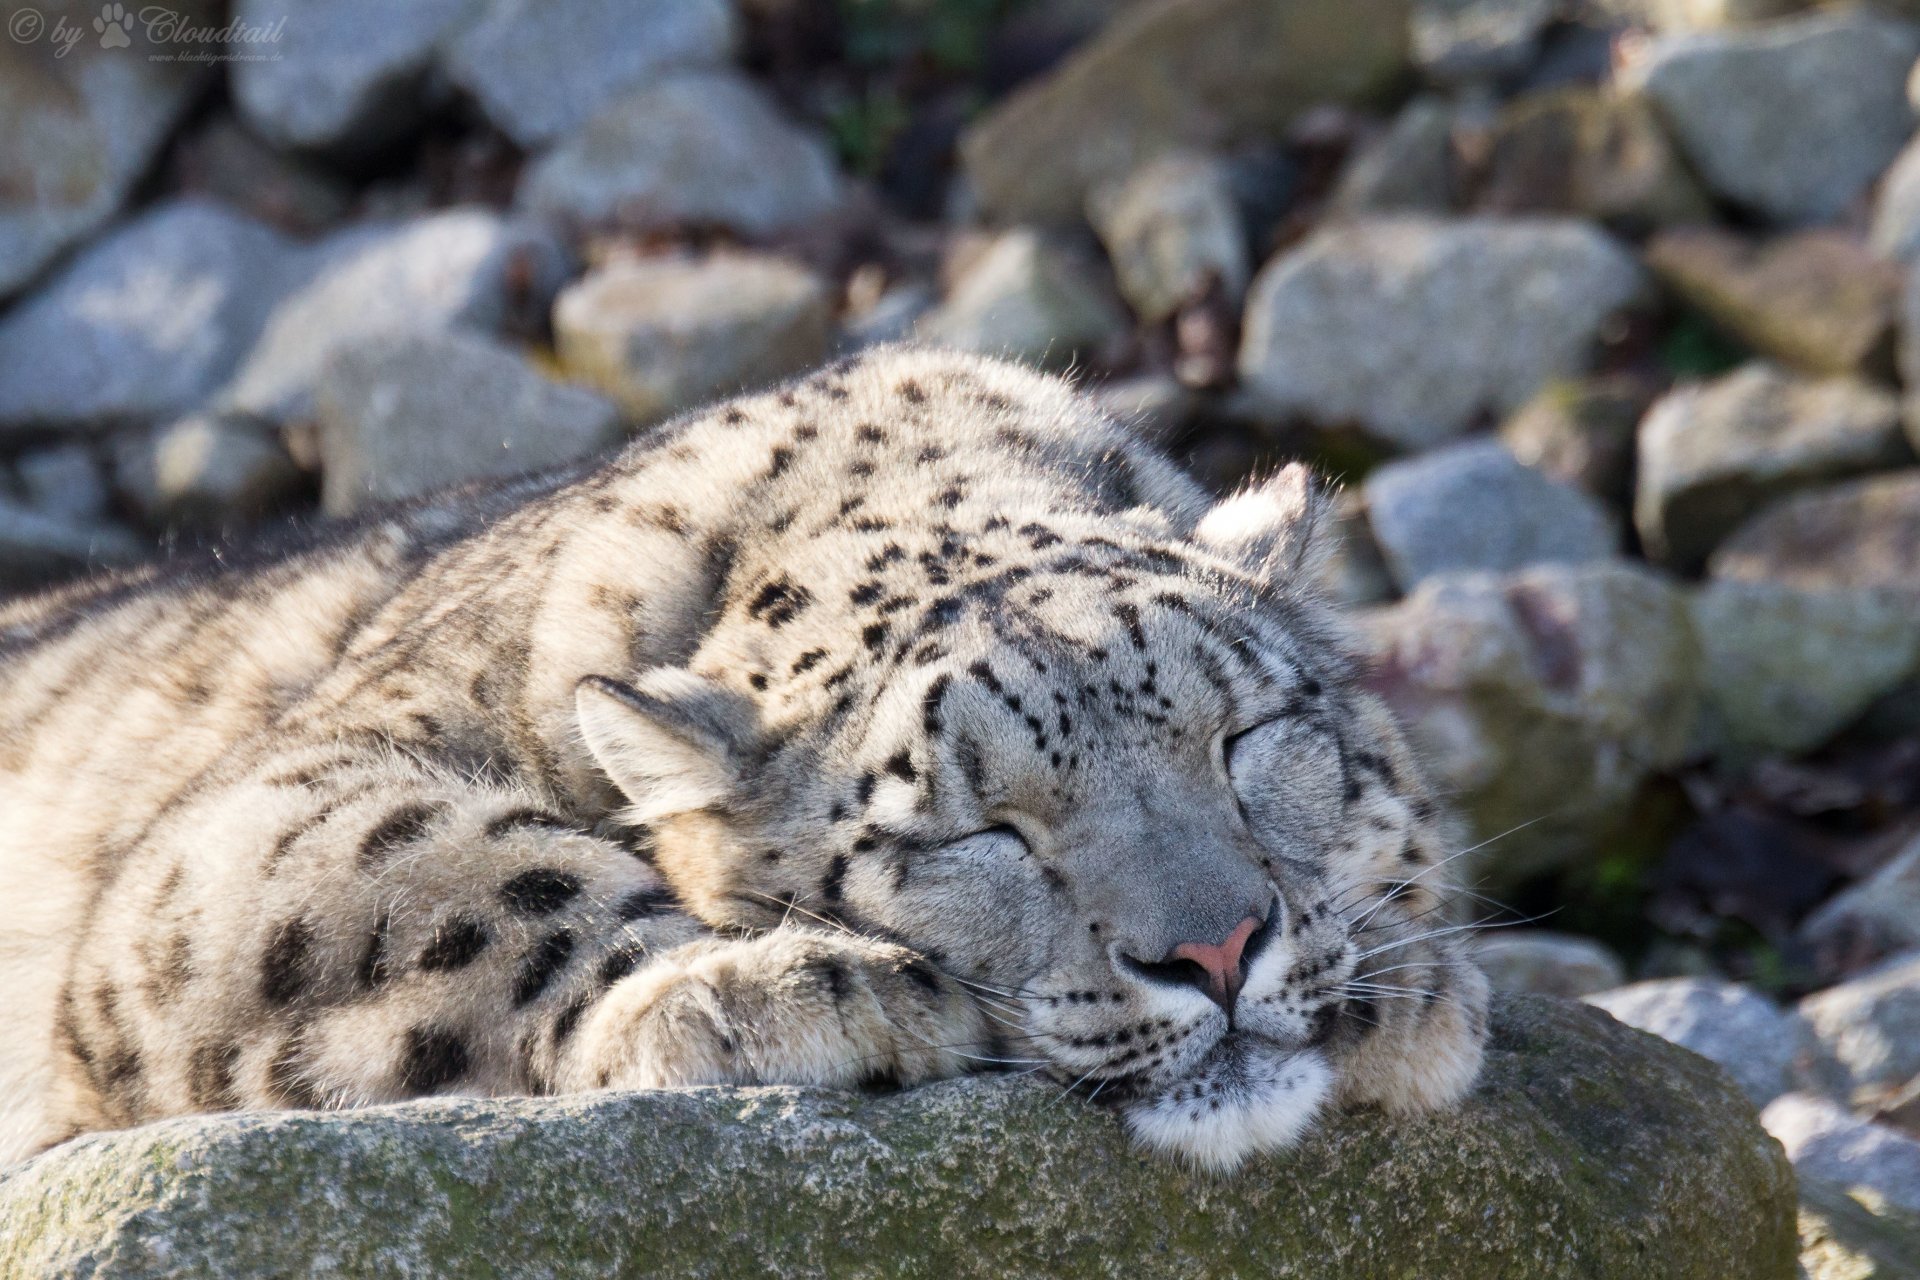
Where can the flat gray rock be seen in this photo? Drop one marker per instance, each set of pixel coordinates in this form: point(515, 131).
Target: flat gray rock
point(349, 74)
point(1173, 232)
point(206, 470)
point(460, 269)
point(1871, 1024)
point(1711, 454)
point(542, 68)
point(1767, 1050)
point(1473, 506)
point(400, 417)
point(1788, 668)
point(1540, 700)
point(1028, 297)
point(1414, 330)
point(1542, 962)
point(1792, 119)
point(1589, 1149)
point(1859, 533)
point(144, 325)
point(38, 547)
point(663, 335)
point(1871, 918)
point(1825, 1141)
point(701, 149)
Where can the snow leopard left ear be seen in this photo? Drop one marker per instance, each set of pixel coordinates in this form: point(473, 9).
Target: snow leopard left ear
point(672, 741)
point(1278, 529)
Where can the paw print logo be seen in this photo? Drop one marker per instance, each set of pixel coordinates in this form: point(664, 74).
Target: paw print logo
point(112, 25)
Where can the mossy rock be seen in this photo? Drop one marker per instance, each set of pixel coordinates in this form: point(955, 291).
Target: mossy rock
point(1590, 1149)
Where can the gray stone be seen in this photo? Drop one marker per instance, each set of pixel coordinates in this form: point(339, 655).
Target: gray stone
point(1541, 962)
point(1592, 153)
point(1204, 75)
point(226, 163)
point(664, 335)
point(403, 416)
point(1356, 573)
point(1027, 296)
point(1826, 1141)
point(1173, 231)
point(1711, 454)
point(1817, 300)
point(1155, 407)
point(1792, 119)
point(349, 75)
point(1872, 918)
point(82, 131)
point(1580, 431)
point(542, 68)
point(1848, 1237)
point(1414, 330)
point(64, 480)
point(693, 149)
point(1896, 210)
point(1465, 40)
point(1861, 533)
point(38, 547)
point(1632, 1150)
point(460, 269)
point(144, 325)
point(1408, 169)
point(1786, 668)
point(1471, 506)
point(1672, 16)
point(205, 470)
point(1540, 701)
point(1871, 1025)
point(1767, 1050)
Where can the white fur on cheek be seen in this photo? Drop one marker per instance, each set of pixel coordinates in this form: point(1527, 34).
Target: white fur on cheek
point(1247, 1097)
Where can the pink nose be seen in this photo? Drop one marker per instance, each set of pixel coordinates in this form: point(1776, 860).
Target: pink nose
point(1221, 960)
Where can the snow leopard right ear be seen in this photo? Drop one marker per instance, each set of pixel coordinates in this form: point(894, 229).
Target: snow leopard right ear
point(671, 741)
point(1279, 529)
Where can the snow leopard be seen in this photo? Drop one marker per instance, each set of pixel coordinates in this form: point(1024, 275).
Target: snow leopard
point(910, 719)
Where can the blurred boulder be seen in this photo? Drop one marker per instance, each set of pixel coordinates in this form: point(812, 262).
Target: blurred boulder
point(1863, 533)
point(63, 480)
point(1356, 573)
point(1817, 300)
point(1872, 918)
point(1027, 296)
point(1415, 330)
point(1471, 40)
point(206, 471)
point(1172, 230)
point(402, 416)
point(82, 130)
point(225, 163)
point(542, 68)
point(1827, 1142)
point(1172, 74)
point(1711, 454)
point(1896, 210)
point(1408, 169)
point(1674, 16)
point(694, 149)
point(458, 269)
point(1791, 119)
point(1156, 407)
point(39, 547)
point(1786, 669)
point(1541, 962)
point(1871, 1025)
point(350, 74)
point(1591, 153)
point(1541, 700)
point(1580, 431)
point(1472, 506)
point(145, 324)
point(1844, 1236)
point(659, 336)
point(1768, 1051)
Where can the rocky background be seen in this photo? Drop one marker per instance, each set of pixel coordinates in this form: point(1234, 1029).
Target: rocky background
point(1600, 310)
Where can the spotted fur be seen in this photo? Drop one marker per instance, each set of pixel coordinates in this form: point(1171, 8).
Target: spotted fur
point(896, 723)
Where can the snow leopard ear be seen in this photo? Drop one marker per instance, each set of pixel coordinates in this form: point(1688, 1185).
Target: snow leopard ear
point(671, 741)
point(1278, 529)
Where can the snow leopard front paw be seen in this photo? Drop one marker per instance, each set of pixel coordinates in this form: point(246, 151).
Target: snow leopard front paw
point(795, 1006)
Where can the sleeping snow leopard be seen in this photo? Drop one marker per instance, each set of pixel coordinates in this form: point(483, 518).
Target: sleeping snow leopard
point(909, 720)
